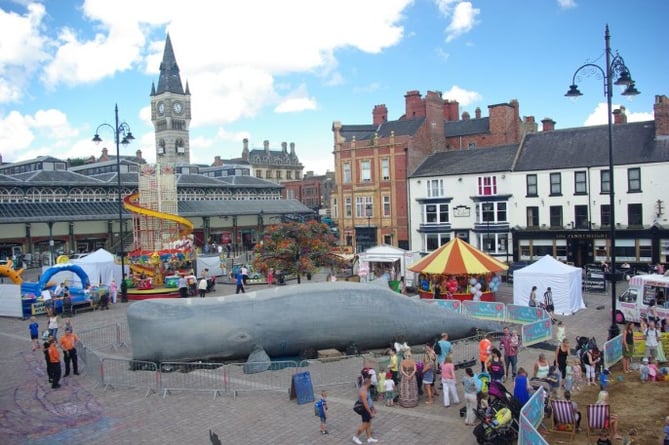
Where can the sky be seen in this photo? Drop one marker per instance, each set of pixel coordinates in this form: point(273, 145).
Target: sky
point(285, 70)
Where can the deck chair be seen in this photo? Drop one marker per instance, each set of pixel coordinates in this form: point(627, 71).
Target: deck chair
point(598, 420)
point(564, 418)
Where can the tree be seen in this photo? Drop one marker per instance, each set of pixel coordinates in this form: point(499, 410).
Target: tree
point(295, 248)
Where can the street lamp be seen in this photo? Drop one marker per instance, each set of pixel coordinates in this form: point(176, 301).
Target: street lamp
point(119, 129)
point(615, 65)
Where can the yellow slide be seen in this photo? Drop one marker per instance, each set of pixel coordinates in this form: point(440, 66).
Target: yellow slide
point(129, 204)
point(7, 270)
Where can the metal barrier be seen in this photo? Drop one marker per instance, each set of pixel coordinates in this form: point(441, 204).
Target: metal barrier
point(114, 336)
point(186, 376)
point(345, 373)
point(117, 372)
point(92, 362)
point(278, 377)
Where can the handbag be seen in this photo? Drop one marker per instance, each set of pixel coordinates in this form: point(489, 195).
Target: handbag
point(358, 407)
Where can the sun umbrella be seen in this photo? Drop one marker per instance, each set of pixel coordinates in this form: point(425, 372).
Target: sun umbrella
point(457, 258)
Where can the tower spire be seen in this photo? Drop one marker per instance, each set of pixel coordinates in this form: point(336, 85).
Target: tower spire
point(169, 80)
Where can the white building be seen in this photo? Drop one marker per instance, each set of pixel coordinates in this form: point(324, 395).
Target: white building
point(550, 194)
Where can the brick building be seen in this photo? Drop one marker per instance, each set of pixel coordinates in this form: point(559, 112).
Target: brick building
point(372, 161)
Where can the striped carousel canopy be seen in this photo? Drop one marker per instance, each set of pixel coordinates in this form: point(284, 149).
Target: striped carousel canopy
point(457, 258)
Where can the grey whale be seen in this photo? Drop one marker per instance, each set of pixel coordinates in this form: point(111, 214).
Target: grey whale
point(287, 320)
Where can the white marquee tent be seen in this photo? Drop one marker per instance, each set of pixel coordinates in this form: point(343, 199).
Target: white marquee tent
point(100, 267)
point(565, 282)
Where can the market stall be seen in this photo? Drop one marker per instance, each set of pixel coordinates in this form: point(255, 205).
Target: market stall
point(459, 271)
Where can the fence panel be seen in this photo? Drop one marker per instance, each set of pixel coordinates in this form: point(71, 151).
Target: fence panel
point(91, 361)
point(125, 373)
point(345, 372)
point(104, 338)
point(277, 378)
point(185, 376)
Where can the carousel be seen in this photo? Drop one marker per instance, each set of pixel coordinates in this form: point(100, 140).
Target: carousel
point(457, 270)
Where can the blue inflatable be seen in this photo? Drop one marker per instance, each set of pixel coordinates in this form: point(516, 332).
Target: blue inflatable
point(51, 271)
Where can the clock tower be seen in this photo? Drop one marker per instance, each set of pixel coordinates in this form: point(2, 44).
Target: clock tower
point(170, 113)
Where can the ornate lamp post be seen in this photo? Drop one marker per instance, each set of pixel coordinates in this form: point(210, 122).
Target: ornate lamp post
point(615, 65)
point(122, 135)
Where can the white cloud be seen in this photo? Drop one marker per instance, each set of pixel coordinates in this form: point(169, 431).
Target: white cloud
point(566, 4)
point(463, 96)
point(297, 100)
point(464, 19)
point(21, 50)
point(599, 115)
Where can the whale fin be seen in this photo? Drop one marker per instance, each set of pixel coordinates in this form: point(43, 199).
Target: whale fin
point(258, 361)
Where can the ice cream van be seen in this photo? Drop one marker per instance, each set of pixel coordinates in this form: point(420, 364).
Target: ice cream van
point(632, 305)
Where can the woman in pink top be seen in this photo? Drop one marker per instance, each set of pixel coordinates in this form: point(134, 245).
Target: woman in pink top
point(448, 380)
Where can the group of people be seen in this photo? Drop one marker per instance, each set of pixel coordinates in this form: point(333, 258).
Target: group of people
point(67, 344)
point(548, 305)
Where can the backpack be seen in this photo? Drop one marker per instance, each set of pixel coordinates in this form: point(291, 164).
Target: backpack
point(437, 348)
point(318, 407)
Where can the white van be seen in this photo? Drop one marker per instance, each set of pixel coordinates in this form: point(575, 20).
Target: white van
point(632, 305)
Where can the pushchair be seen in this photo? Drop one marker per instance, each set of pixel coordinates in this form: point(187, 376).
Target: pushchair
point(583, 345)
point(499, 414)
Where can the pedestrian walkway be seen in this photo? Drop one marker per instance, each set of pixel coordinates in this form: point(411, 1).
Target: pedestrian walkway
point(83, 413)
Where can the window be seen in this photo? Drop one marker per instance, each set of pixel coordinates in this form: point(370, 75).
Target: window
point(605, 182)
point(487, 212)
point(436, 213)
point(532, 189)
point(289, 174)
point(365, 171)
point(385, 169)
point(435, 188)
point(556, 216)
point(364, 206)
point(347, 173)
point(634, 215)
point(487, 185)
point(556, 184)
point(633, 180)
point(501, 212)
point(580, 183)
point(348, 210)
point(582, 220)
point(605, 214)
point(335, 208)
point(533, 217)
point(386, 206)
point(433, 241)
point(259, 174)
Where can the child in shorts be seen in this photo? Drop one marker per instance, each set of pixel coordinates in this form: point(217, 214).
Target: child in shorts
point(322, 407)
point(389, 389)
point(34, 332)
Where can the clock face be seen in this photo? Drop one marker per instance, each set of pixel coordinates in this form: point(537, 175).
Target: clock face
point(177, 107)
point(161, 108)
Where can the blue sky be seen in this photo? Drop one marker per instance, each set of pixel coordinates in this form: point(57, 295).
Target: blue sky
point(285, 70)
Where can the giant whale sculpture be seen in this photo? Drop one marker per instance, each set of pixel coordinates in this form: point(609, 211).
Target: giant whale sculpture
point(287, 320)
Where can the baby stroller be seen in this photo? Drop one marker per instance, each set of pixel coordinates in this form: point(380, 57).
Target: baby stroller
point(499, 417)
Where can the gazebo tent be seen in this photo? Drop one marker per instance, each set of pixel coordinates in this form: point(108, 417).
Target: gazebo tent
point(100, 266)
point(565, 282)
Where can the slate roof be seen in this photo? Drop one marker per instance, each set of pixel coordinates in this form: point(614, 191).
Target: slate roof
point(95, 211)
point(467, 127)
point(169, 79)
point(48, 177)
point(460, 162)
point(402, 127)
point(633, 143)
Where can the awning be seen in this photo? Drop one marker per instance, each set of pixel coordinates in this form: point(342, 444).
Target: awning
point(378, 259)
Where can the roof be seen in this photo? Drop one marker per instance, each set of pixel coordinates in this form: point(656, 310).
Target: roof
point(169, 80)
point(402, 127)
point(633, 143)
point(95, 211)
point(459, 162)
point(273, 155)
point(467, 127)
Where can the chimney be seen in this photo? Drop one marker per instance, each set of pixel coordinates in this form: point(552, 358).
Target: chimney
point(265, 145)
point(105, 154)
point(548, 124)
point(465, 116)
point(245, 143)
point(284, 147)
point(379, 114)
point(138, 153)
point(477, 113)
point(292, 148)
point(451, 110)
point(414, 105)
point(661, 110)
point(619, 116)
point(217, 160)
point(245, 150)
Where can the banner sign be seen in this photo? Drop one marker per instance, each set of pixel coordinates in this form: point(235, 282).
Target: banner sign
point(484, 310)
point(537, 332)
point(613, 351)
